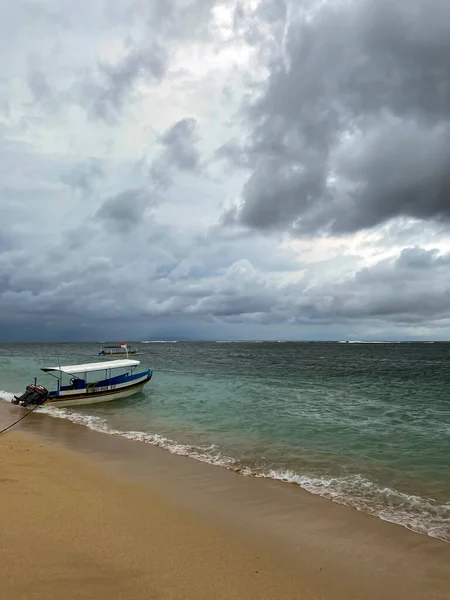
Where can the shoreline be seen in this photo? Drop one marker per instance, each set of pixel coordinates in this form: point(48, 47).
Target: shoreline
point(400, 516)
point(302, 535)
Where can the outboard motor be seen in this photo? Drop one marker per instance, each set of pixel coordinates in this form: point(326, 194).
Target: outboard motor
point(34, 395)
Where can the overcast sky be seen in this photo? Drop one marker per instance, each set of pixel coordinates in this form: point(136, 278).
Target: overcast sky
point(268, 169)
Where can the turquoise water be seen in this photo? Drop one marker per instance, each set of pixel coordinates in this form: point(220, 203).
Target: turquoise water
point(367, 425)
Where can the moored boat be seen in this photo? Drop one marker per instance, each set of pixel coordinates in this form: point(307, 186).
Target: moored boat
point(121, 349)
point(87, 384)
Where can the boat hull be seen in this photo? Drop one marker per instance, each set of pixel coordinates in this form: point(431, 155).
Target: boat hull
point(95, 398)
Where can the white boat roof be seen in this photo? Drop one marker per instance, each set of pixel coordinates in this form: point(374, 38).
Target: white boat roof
point(97, 366)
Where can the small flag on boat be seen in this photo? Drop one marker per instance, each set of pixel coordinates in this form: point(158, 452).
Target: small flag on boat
point(123, 345)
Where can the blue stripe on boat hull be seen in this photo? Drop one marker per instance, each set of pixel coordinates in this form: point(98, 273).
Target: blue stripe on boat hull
point(118, 380)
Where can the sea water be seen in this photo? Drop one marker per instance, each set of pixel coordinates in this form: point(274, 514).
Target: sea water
point(367, 425)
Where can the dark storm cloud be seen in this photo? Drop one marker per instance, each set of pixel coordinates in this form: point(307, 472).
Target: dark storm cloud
point(230, 306)
point(352, 128)
point(409, 290)
point(418, 258)
point(179, 151)
point(125, 211)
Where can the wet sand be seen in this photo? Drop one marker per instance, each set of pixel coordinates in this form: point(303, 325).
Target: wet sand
point(88, 515)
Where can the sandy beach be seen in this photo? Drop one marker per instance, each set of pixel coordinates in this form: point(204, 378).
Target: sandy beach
point(70, 532)
point(120, 527)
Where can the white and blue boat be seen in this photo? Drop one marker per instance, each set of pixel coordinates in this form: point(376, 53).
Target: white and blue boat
point(88, 383)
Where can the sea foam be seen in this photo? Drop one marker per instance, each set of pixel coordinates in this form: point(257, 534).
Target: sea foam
point(6, 396)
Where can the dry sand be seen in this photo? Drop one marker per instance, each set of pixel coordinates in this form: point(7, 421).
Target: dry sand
point(68, 531)
point(71, 529)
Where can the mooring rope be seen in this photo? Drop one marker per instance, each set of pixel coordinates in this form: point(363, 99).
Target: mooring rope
point(18, 420)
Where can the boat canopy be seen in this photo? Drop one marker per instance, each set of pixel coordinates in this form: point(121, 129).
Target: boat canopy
point(97, 366)
point(116, 346)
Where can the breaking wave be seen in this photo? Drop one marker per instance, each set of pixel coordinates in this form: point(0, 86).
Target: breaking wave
point(208, 454)
point(6, 396)
point(421, 515)
point(367, 342)
point(159, 341)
